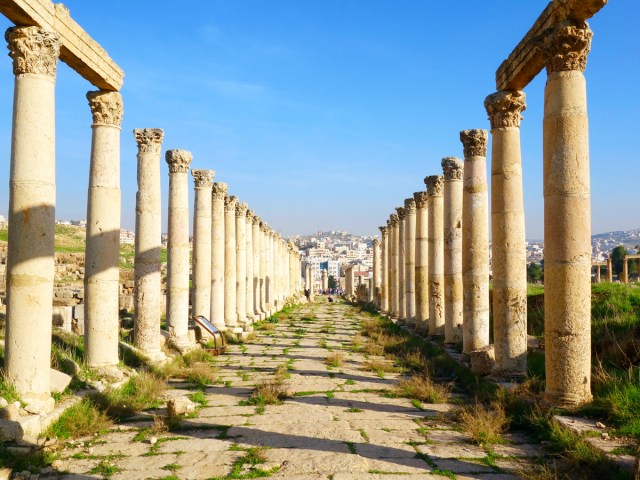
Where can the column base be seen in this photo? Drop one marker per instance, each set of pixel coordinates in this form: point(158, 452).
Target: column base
point(38, 403)
point(183, 344)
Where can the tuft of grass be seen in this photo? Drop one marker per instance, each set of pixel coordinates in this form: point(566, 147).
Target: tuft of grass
point(484, 424)
point(80, 420)
point(139, 393)
point(271, 391)
point(105, 468)
point(379, 366)
point(334, 360)
point(421, 387)
point(199, 397)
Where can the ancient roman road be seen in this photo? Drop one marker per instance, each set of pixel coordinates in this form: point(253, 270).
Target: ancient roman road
point(335, 424)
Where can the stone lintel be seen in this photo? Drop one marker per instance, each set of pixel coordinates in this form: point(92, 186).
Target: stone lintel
point(78, 49)
point(526, 60)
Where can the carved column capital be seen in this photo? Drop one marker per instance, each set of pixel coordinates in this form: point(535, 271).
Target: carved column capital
point(394, 219)
point(106, 107)
point(452, 167)
point(409, 206)
point(435, 185)
point(149, 140)
point(566, 47)
point(257, 220)
point(384, 231)
point(401, 213)
point(505, 108)
point(203, 178)
point(241, 209)
point(33, 50)
point(230, 203)
point(474, 142)
point(421, 199)
point(178, 160)
point(219, 191)
point(250, 216)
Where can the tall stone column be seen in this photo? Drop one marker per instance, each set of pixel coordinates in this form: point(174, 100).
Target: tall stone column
point(508, 244)
point(325, 280)
point(201, 256)
point(598, 276)
point(383, 300)
point(402, 280)
point(452, 168)
point(250, 305)
point(178, 248)
point(609, 269)
point(257, 242)
point(376, 271)
point(435, 186)
point(241, 262)
point(567, 217)
point(422, 262)
point(102, 271)
point(625, 270)
point(395, 280)
point(475, 241)
point(148, 244)
point(32, 202)
point(263, 270)
point(410, 261)
point(268, 267)
point(230, 314)
point(218, 252)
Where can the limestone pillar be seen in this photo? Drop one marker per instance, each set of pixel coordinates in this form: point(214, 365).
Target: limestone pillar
point(625, 270)
point(201, 256)
point(410, 261)
point(609, 269)
point(395, 285)
point(598, 276)
point(422, 262)
point(178, 248)
point(567, 217)
point(218, 251)
point(148, 244)
point(293, 271)
point(383, 299)
point(376, 271)
point(263, 270)
point(257, 242)
point(102, 257)
point(268, 271)
point(435, 186)
point(325, 280)
point(250, 298)
point(475, 241)
point(508, 244)
point(241, 262)
point(230, 313)
point(32, 201)
point(402, 280)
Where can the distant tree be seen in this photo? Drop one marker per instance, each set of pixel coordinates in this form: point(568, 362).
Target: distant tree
point(617, 257)
point(332, 282)
point(535, 273)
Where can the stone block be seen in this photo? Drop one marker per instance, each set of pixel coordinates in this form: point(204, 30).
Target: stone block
point(78, 312)
point(62, 317)
point(10, 431)
point(180, 406)
point(482, 360)
point(59, 381)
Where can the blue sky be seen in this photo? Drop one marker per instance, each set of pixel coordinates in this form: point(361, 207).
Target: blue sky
point(326, 114)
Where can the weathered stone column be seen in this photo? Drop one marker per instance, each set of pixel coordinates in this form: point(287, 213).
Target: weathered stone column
point(508, 244)
point(148, 246)
point(178, 248)
point(268, 271)
point(567, 217)
point(402, 279)
point(263, 269)
point(325, 280)
point(241, 262)
point(435, 186)
point(218, 250)
point(230, 313)
point(201, 261)
point(410, 261)
point(102, 257)
point(452, 220)
point(376, 271)
point(625, 270)
point(32, 202)
point(475, 241)
point(395, 281)
point(257, 246)
point(598, 274)
point(609, 269)
point(422, 262)
point(250, 305)
point(383, 300)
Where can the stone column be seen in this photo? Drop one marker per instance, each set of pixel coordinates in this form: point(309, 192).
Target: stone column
point(508, 244)
point(475, 241)
point(293, 270)
point(422, 262)
point(230, 313)
point(257, 242)
point(376, 271)
point(625, 270)
point(383, 300)
point(435, 187)
point(395, 285)
point(609, 269)
point(263, 270)
point(148, 246)
point(410, 261)
point(325, 280)
point(598, 276)
point(178, 248)
point(201, 261)
point(218, 195)
point(102, 258)
point(250, 305)
point(268, 271)
point(567, 217)
point(241, 262)
point(402, 280)
point(32, 201)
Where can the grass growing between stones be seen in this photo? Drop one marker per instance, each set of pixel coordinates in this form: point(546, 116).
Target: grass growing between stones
point(247, 466)
point(139, 393)
point(270, 391)
point(484, 424)
point(421, 387)
point(80, 420)
point(334, 360)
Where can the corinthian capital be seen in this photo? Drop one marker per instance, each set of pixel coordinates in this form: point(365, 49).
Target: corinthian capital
point(566, 47)
point(106, 107)
point(241, 209)
point(178, 160)
point(452, 168)
point(33, 50)
point(257, 220)
point(409, 206)
point(394, 219)
point(250, 215)
point(148, 139)
point(203, 178)
point(219, 191)
point(230, 203)
point(376, 241)
point(435, 184)
point(474, 142)
point(505, 108)
point(401, 213)
point(384, 231)
point(421, 199)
